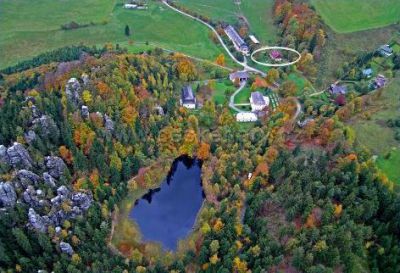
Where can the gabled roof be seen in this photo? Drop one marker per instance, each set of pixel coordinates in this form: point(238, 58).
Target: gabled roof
point(367, 71)
point(238, 74)
point(338, 89)
point(380, 81)
point(257, 98)
point(386, 49)
point(187, 94)
point(234, 36)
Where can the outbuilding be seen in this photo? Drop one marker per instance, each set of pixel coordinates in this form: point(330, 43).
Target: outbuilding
point(246, 117)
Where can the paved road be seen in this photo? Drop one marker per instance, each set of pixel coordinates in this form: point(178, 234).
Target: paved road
point(243, 64)
point(232, 98)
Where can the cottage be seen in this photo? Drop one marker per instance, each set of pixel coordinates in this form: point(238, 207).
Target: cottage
point(336, 89)
point(188, 100)
point(246, 117)
point(276, 55)
point(237, 41)
point(254, 39)
point(385, 50)
point(367, 73)
point(379, 82)
point(258, 102)
point(242, 76)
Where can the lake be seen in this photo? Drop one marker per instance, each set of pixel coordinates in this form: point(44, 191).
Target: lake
point(167, 214)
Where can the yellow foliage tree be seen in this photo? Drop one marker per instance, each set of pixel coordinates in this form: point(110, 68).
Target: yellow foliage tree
point(220, 60)
point(87, 97)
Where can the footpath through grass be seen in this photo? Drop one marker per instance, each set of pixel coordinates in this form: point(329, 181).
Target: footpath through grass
point(346, 16)
point(30, 28)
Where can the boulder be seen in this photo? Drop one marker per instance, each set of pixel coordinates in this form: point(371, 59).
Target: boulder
point(85, 112)
point(26, 178)
point(45, 125)
point(8, 196)
point(36, 221)
point(30, 136)
point(19, 156)
point(55, 166)
point(4, 159)
point(72, 90)
point(82, 200)
point(66, 248)
point(49, 180)
point(62, 191)
point(108, 123)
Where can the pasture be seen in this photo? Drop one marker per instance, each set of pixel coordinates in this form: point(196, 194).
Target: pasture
point(30, 28)
point(345, 16)
point(258, 14)
point(377, 136)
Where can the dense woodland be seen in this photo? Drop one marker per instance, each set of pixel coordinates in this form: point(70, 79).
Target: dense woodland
point(314, 202)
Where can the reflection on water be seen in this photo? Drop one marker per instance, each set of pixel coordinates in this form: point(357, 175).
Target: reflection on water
point(167, 214)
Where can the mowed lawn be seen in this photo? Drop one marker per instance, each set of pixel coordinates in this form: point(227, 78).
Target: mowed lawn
point(346, 16)
point(377, 136)
point(28, 28)
point(258, 14)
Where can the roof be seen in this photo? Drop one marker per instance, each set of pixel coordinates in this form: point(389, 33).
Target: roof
point(257, 98)
point(386, 48)
point(338, 89)
point(238, 74)
point(275, 54)
point(246, 116)
point(234, 36)
point(367, 71)
point(187, 94)
point(380, 81)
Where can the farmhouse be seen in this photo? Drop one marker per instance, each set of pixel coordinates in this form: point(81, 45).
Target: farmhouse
point(188, 100)
point(258, 102)
point(336, 89)
point(246, 117)
point(385, 50)
point(379, 82)
point(237, 41)
point(240, 75)
point(254, 39)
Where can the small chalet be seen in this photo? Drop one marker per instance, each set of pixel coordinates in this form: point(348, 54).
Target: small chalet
point(336, 89)
point(276, 55)
point(258, 102)
point(254, 39)
point(130, 6)
point(385, 50)
point(241, 75)
point(379, 82)
point(188, 100)
point(367, 73)
point(246, 117)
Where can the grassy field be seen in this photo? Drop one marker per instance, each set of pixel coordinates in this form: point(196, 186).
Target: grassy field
point(29, 28)
point(258, 14)
point(377, 136)
point(346, 16)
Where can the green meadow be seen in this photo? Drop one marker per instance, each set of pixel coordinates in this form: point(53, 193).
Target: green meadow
point(30, 28)
point(346, 16)
point(258, 14)
point(374, 133)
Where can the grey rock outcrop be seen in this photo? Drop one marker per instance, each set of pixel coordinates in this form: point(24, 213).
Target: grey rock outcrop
point(55, 166)
point(30, 136)
point(26, 178)
point(108, 123)
point(72, 90)
point(4, 159)
point(8, 196)
point(35, 112)
point(18, 156)
point(36, 221)
point(82, 200)
point(66, 248)
point(85, 112)
point(45, 125)
point(49, 180)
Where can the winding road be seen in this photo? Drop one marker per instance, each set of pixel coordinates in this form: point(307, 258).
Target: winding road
point(243, 64)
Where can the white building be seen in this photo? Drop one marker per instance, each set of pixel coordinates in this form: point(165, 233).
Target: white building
point(188, 100)
point(258, 102)
point(246, 117)
point(130, 6)
point(238, 42)
point(254, 39)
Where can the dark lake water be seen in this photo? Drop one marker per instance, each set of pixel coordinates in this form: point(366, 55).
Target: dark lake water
point(167, 214)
